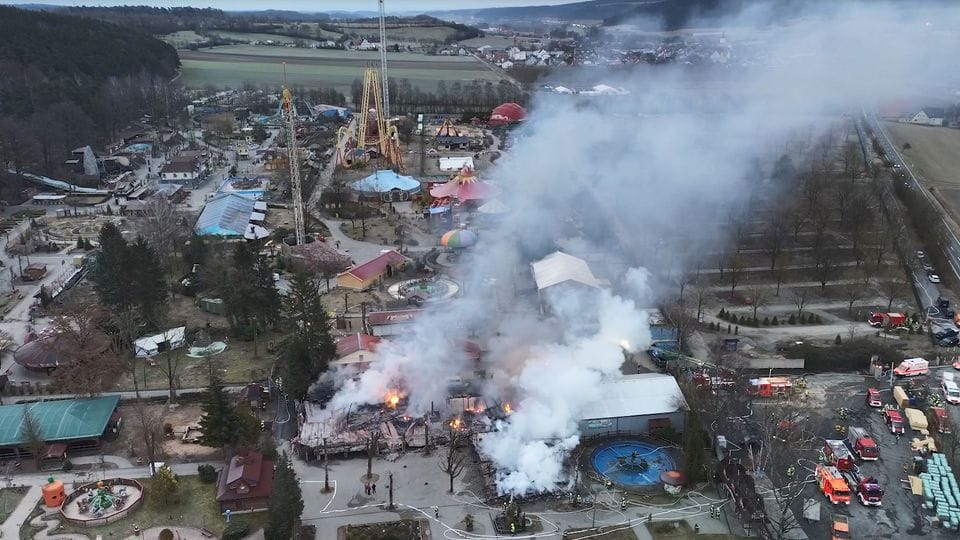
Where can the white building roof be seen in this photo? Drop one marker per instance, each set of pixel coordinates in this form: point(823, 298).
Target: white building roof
point(455, 163)
point(636, 395)
point(150, 345)
point(559, 267)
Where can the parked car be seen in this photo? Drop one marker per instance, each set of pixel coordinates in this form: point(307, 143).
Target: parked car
point(950, 341)
point(946, 333)
point(934, 278)
point(921, 254)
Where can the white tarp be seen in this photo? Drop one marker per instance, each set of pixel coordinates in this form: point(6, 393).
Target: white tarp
point(455, 163)
point(169, 340)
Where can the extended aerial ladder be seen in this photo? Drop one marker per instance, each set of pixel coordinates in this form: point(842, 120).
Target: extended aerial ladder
point(293, 155)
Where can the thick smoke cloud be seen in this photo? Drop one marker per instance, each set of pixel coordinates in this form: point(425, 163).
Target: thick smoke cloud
point(639, 185)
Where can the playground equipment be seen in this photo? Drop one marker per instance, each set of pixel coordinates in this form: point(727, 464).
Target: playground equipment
point(53, 493)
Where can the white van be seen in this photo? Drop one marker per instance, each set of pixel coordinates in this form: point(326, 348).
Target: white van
point(951, 392)
point(949, 388)
point(912, 367)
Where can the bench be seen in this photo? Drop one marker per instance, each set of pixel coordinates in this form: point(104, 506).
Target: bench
point(207, 532)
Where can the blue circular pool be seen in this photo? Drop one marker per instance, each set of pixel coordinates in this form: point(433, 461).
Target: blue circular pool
point(632, 463)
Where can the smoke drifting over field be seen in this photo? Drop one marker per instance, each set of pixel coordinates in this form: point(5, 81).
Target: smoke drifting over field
point(632, 183)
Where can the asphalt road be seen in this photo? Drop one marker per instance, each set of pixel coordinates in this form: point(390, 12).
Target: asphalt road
point(927, 291)
point(953, 246)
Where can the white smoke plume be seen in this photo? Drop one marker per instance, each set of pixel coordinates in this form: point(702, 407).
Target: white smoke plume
point(640, 182)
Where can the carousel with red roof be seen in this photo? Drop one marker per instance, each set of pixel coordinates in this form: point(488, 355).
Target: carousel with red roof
point(464, 191)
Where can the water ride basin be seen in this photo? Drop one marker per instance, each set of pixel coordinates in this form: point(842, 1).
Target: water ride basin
point(632, 463)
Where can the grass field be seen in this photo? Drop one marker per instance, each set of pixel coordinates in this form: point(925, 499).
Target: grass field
point(417, 34)
point(183, 38)
point(9, 499)
point(934, 156)
point(196, 506)
point(341, 55)
point(232, 66)
point(251, 36)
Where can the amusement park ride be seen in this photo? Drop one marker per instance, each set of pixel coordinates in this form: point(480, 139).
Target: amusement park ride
point(373, 131)
point(289, 120)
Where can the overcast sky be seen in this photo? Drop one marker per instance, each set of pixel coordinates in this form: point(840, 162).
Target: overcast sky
point(307, 5)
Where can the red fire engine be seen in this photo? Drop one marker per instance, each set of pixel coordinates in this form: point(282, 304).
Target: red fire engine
point(832, 485)
point(894, 421)
point(838, 455)
point(770, 386)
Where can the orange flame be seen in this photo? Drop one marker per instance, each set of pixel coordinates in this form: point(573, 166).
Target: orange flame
point(507, 408)
point(456, 423)
point(392, 399)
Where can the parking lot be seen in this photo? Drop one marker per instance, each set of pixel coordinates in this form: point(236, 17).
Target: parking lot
point(901, 514)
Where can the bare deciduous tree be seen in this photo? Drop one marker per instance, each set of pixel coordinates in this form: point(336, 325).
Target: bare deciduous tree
point(800, 297)
point(759, 296)
point(735, 270)
point(452, 461)
point(774, 236)
point(780, 269)
point(149, 435)
point(89, 364)
point(891, 286)
point(826, 266)
point(164, 228)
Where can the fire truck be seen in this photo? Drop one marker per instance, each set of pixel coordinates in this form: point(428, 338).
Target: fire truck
point(705, 381)
point(832, 485)
point(879, 319)
point(867, 488)
point(838, 455)
point(770, 386)
point(863, 444)
point(894, 421)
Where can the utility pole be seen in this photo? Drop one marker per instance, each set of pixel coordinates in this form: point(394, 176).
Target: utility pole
point(326, 469)
point(390, 506)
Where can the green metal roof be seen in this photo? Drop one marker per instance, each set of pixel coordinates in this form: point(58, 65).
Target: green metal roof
point(62, 420)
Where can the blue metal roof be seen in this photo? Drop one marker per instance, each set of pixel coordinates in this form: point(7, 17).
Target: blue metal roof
point(385, 181)
point(227, 214)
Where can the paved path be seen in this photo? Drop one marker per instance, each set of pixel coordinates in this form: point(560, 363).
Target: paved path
point(145, 394)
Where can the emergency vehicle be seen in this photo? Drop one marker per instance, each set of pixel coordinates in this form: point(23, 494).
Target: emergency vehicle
point(862, 444)
point(869, 492)
point(838, 455)
point(867, 488)
point(894, 421)
point(879, 319)
point(841, 528)
point(912, 367)
point(832, 485)
point(938, 420)
point(873, 398)
point(770, 386)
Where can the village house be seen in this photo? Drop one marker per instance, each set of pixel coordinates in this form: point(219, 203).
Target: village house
point(372, 272)
point(245, 482)
point(357, 350)
point(928, 116)
point(182, 170)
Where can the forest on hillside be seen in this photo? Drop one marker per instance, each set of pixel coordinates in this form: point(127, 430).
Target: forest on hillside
point(71, 81)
